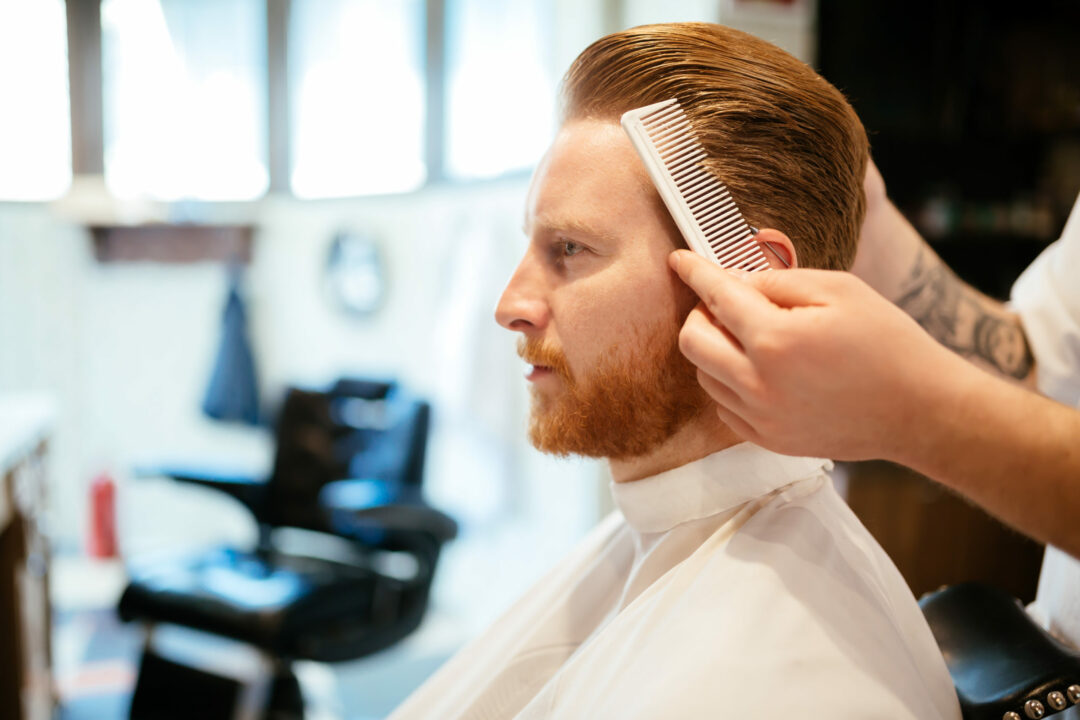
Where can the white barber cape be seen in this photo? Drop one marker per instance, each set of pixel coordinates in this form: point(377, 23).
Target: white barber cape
point(739, 585)
point(1047, 298)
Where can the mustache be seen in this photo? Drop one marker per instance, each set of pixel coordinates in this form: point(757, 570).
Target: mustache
point(537, 352)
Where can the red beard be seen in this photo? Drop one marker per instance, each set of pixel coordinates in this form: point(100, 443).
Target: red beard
point(626, 406)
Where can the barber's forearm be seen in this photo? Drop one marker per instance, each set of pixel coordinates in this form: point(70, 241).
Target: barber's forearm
point(895, 260)
point(1015, 453)
point(889, 247)
point(964, 320)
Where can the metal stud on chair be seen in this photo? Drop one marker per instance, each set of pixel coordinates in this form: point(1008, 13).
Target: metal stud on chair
point(1056, 700)
point(1034, 709)
point(1073, 692)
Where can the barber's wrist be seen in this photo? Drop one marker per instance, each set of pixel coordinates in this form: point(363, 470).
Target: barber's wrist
point(951, 411)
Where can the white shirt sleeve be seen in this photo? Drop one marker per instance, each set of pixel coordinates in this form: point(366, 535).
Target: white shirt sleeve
point(1047, 298)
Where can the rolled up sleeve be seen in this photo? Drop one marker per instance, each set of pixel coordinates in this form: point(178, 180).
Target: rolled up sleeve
point(1047, 299)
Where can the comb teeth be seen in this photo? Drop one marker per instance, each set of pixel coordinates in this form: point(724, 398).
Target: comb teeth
point(698, 201)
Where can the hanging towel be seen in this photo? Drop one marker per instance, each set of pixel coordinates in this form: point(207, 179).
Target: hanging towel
point(233, 394)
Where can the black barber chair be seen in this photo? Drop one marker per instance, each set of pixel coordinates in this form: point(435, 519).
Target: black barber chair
point(1004, 666)
point(349, 464)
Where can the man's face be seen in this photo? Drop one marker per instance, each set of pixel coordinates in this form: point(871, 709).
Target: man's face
point(598, 309)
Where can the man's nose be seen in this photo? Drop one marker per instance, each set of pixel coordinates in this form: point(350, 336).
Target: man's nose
point(523, 305)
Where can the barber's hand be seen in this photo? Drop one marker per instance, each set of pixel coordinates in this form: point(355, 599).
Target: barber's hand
point(810, 362)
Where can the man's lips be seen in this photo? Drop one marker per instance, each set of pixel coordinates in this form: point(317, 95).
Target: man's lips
point(537, 372)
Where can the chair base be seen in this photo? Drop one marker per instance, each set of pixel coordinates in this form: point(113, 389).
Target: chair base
point(181, 688)
point(286, 702)
point(168, 690)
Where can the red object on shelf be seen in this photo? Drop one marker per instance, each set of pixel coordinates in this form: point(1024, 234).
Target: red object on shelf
point(101, 538)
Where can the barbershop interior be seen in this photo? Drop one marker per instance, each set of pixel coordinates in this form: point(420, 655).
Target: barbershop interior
point(264, 447)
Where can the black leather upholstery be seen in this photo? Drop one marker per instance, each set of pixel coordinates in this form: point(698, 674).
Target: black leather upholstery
point(272, 602)
point(326, 606)
point(997, 656)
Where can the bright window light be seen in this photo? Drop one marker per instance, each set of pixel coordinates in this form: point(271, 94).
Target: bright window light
point(184, 88)
point(35, 125)
point(357, 97)
point(500, 92)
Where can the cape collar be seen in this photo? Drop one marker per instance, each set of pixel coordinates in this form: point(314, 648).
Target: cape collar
point(714, 484)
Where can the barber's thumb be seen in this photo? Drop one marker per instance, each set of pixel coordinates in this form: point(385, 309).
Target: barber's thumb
point(792, 288)
point(687, 264)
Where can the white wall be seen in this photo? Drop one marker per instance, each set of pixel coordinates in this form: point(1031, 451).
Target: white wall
point(40, 278)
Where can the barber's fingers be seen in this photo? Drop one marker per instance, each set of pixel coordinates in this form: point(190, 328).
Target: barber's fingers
point(739, 426)
point(729, 407)
point(720, 393)
point(712, 349)
point(735, 305)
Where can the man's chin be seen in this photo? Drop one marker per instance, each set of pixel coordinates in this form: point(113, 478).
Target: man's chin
point(563, 431)
point(560, 444)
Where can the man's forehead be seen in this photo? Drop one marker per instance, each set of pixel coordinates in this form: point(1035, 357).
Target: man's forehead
point(588, 178)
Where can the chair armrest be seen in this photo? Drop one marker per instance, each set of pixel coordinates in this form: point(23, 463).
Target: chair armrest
point(367, 510)
point(998, 657)
point(249, 490)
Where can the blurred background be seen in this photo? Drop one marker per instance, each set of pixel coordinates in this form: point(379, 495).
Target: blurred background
point(204, 203)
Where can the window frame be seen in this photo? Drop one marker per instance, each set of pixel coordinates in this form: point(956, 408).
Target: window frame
point(87, 104)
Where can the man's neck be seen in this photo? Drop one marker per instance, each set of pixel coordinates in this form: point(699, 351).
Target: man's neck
point(702, 436)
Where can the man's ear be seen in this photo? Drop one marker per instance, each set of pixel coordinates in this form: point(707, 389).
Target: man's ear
point(778, 248)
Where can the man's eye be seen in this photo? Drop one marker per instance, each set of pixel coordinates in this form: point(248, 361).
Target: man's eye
point(570, 248)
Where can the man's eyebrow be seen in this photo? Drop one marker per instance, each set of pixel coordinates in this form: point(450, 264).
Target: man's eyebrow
point(572, 226)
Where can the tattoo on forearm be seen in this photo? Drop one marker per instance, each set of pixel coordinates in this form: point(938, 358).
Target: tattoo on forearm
point(962, 320)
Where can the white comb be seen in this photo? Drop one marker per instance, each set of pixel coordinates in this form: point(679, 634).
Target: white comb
point(700, 204)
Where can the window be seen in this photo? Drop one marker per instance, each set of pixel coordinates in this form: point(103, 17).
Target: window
point(500, 94)
point(357, 91)
point(184, 97)
point(35, 135)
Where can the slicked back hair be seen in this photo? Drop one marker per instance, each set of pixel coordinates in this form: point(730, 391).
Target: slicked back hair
point(785, 141)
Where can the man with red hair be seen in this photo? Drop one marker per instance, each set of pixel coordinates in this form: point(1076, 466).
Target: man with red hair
point(731, 581)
